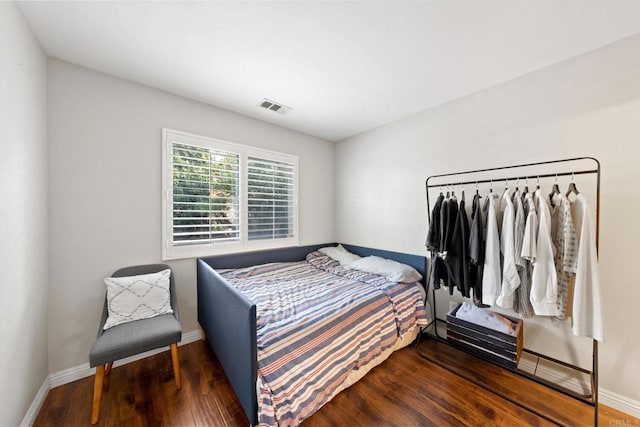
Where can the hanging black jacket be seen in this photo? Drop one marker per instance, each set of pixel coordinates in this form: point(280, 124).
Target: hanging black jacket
point(457, 259)
point(433, 236)
point(448, 214)
point(476, 250)
point(438, 271)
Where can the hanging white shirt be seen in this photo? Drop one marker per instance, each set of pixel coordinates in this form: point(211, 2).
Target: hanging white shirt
point(587, 306)
point(544, 280)
point(491, 274)
point(510, 277)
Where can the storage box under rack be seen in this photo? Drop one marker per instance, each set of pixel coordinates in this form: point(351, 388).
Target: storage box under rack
point(498, 347)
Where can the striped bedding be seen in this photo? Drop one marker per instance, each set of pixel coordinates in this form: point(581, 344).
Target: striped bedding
point(317, 322)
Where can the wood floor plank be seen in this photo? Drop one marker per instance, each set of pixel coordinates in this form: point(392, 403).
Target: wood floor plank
point(409, 399)
point(57, 404)
point(405, 390)
point(560, 408)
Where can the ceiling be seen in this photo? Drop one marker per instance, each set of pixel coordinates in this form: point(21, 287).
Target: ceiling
point(344, 67)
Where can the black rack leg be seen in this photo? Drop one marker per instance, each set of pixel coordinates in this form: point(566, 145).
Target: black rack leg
point(594, 384)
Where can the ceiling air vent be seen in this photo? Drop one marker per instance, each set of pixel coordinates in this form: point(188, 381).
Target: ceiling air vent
point(275, 107)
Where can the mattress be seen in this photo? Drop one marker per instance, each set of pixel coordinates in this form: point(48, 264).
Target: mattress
point(319, 326)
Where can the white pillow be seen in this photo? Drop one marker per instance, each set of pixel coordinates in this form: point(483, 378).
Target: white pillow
point(339, 253)
point(137, 297)
point(392, 270)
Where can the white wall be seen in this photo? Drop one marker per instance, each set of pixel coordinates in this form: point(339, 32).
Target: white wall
point(589, 105)
point(105, 191)
point(23, 216)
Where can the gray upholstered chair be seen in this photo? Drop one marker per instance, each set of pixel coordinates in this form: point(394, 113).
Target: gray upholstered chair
point(128, 339)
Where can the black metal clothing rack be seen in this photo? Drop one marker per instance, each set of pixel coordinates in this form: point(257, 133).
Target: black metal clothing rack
point(592, 397)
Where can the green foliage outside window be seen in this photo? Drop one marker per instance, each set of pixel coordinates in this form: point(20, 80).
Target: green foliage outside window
point(205, 195)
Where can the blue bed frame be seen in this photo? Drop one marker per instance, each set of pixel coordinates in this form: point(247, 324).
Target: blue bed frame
point(228, 318)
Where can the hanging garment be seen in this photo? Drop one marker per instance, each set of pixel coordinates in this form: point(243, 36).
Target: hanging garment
point(530, 238)
point(457, 259)
point(556, 221)
point(433, 235)
point(499, 212)
point(448, 215)
point(518, 229)
point(544, 280)
point(521, 302)
point(564, 239)
point(587, 307)
point(444, 214)
point(491, 275)
point(476, 250)
point(438, 270)
point(510, 277)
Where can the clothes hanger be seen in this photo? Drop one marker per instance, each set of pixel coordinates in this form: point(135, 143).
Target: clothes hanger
point(554, 190)
point(506, 185)
point(525, 190)
point(491, 186)
point(516, 191)
point(477, 192)
point(538, 184)
point(572, 187)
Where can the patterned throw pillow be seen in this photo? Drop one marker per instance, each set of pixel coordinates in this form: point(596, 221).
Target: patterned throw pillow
point(137, 297)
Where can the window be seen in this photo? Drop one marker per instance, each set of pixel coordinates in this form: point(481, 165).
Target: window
point(221, 197)
point(270, 186)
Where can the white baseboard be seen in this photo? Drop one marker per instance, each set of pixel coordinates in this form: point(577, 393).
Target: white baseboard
point(82, 371)
point(563, 378)
point(606, 397)
point(34, 409)
point(619, 402)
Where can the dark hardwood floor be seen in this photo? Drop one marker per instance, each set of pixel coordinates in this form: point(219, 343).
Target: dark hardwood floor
point(406, 390)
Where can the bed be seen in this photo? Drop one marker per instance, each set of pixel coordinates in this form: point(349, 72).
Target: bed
point(333, 325)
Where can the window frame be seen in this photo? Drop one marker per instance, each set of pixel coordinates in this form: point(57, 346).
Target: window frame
point(170, 251)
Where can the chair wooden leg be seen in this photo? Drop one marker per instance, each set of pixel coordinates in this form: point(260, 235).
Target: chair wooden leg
point(107, 376)
point(176, 365)
point(97, 394)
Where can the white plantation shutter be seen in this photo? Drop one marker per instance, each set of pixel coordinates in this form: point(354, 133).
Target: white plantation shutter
point(206, 186)
point(270, 199)
point(221, 197)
